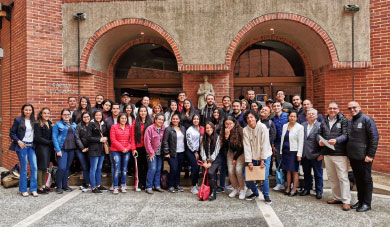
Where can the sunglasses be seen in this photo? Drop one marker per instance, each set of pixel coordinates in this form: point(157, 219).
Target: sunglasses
point(353, 107)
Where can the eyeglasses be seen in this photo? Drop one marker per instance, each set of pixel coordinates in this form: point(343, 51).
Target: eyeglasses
point(353, 107)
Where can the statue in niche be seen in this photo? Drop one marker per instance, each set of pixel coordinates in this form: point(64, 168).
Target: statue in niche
point(205, 88)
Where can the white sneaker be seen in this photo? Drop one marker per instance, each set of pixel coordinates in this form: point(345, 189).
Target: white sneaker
point(111, 188)
point(137, 189)
point(194, 190)
point(279, 187)
point(230, 187)
point(233, 193)
point(242, 194)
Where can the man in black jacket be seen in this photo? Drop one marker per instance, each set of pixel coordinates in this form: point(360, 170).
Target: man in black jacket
point(334, 130)
point(265, 119)
point(362, 143)
point(207, 112)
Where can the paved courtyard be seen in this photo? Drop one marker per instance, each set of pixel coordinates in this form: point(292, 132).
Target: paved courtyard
point(181, 209)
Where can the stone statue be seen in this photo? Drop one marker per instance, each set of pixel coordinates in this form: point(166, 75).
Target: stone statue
point(205, 88)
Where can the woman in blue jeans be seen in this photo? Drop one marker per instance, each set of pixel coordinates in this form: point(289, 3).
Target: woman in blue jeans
point(82, 144)
point(64, 145)
point(22, 135)
point(257, 152)
point(120, 155)
point(153, 140)
point(97, 135)
point(174, 147)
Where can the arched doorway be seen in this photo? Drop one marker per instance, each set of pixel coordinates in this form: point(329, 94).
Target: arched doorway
point(147, 69)
point(267, 66)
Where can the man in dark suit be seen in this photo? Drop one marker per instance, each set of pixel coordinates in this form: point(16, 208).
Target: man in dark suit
point(362, 143)
point(311, 154)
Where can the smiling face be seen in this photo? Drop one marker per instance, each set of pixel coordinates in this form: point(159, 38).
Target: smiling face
point(181, 97)
point(72, 103)
point(254, 107)
point(83, 103)
point(27, 111)
point(229, 123)
point(226, 102)
point(210, 100)
point(209, 129)
point(173, 106)
point(280, 96)
point(175, 120)
point(296, 101)
point(129, 109)
point(216, 114)
point(99, 99)
point(236, 106)
point(187, 105)
point(86, 118)
point(354, 108)
point(142, 113)
point(115, 110)
point(292, 118)
point(159, 121)
point(333, 110)
point(107, 106)
point(195, 120)
point(265, 112)
point(123, 120)
point(251, 119)
point(145, 101)
point(156, 109)
point(98, 117)
point(251, 95)
point(65, 116)
point(46, 114)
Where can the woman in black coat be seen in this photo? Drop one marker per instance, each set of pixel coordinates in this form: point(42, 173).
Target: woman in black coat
point(43, 147)
point(81, 135)
point(97, 135)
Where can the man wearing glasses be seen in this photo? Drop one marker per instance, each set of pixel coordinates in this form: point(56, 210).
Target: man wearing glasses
point(362, 143)
point(334, 130)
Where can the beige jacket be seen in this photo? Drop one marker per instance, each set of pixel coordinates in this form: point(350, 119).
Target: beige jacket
point(256, 143)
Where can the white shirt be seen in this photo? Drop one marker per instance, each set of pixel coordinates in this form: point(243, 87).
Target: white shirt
point(193, 138)
point(180, 142)
point(29, 135)
point(332, 122)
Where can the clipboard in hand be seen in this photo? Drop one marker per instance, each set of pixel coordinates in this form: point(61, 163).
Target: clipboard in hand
point(257, 173)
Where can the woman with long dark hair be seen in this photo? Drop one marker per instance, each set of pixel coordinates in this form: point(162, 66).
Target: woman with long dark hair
point(153, 144)
point(84, 106)
point(174, 147)
point(107, 105)
point(232, 143)
point(187, 113)
point(129, 110)
point(193, 135)
point(82, 144)
point(97, 135)
point(64, 145)
point(172, 109)
point(43, 147)
point(217, 119)
point(142, 121)
point(120, 152)
point(22, 136)
point(209, 151)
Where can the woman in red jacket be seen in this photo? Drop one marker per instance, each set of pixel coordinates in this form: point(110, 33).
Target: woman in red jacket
point(141, 122)
point(120, 147)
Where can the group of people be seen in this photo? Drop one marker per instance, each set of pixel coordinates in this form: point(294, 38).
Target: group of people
point(225, 140)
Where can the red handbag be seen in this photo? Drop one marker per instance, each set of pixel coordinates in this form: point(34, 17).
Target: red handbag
point(204, 190)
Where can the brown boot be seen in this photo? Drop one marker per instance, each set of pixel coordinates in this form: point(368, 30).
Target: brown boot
point(334, 201)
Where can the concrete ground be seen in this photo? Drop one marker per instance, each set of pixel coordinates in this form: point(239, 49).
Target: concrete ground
point(181, 209)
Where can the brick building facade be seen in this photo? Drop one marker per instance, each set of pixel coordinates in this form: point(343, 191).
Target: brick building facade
point(206, 38)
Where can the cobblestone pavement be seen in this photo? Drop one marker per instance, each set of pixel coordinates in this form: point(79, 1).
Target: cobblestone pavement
point(181, 209)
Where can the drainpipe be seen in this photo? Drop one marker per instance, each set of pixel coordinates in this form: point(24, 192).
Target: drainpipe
point(79, 17)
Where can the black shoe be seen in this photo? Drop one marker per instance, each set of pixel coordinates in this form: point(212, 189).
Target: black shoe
point(67, 188)
point(363, 208)
point(304, 192)
point(101, 188)
point(179, 188)
point(267, 200)
point(213, 187)
point(143, 187)
point(252, 197)
point(220, 190)
point(42, 191)
point(59, 191)
point(294, 194)
point(356, 205)
point(96, 190)
point(318, 195)
point(287, 193)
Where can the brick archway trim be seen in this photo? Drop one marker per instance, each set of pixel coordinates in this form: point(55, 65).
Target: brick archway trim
point(299, 19)
point(129, 21)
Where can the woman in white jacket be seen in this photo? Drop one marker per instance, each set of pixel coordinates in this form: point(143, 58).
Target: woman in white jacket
point(291, 150)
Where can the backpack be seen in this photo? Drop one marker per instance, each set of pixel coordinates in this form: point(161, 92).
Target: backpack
point(164, 179)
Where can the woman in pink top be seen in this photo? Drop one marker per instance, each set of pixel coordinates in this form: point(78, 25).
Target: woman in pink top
point(153, 140)
point(120, 147)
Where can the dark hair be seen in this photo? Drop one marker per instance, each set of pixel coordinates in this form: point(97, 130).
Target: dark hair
point(32, 117)
point(210, 95)
point(239, 101)
point(40, 118)
point(259, 106)
point(82, 116)
point(334, 103)
point(281, 91)
point(72, 97)
point(62, 112)
point(123, 114)
point(192, 119)
point(88, 104)
point(236, 135)
point(183, 111)
point(292, 111)
point(297, 95)
point(94, 115)
point(105, 101)
point(226, 96)
point(277, 102)
point(180, 92)
point(212, 138)
point(115, 104)
point(132, 109)
point(158, 115)
point(169, 105)
point(99, 95)
point(220, 118)
point(175, 114)
point(254, 113)
point(137, 124)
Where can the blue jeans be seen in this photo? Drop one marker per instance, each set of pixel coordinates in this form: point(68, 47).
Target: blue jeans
point(308, 179)
point(84, 161)
point(24, 155)
point(95, 172)
point(279, 173)
point(175, 164)
point(119, 166)
point(265, 185)
point(154, 172)
point(194, 166)
point(64, 163)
